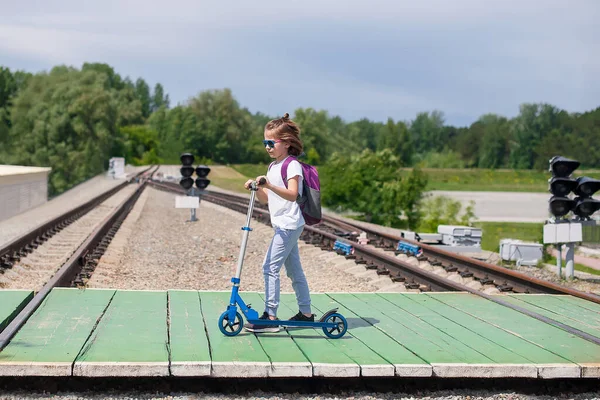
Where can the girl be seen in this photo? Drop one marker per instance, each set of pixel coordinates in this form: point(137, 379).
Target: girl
point(282, 139)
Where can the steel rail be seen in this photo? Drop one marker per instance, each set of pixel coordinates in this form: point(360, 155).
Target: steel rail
point(498, 274)
point(26, 243)
point(68, 271)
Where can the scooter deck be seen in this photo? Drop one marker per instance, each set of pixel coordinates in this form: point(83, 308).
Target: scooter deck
point(317, 324)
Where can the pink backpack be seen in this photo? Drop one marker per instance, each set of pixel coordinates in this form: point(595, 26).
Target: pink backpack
point(310, 201)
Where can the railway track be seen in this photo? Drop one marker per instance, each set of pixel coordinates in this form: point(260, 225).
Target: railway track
point(433, 270)
point(62, 252)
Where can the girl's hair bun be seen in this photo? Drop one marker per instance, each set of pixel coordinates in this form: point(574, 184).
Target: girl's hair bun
point(286, 116)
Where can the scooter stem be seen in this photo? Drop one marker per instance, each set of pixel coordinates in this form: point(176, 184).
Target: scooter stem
point(246, 229)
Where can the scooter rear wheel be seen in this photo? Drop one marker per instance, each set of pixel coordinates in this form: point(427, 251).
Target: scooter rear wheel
point(339, 330)
point(231, 329)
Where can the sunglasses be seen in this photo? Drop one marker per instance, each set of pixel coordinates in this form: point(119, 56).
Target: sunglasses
point(270, 143)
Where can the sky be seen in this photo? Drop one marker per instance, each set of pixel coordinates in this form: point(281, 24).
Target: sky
point(356, 59)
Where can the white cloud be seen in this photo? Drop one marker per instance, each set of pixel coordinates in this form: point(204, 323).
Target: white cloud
point(352, 57)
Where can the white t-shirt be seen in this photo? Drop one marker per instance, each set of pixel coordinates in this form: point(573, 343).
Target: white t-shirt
point(285, 214)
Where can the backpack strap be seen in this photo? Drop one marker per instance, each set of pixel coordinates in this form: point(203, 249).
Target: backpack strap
point(284, 168)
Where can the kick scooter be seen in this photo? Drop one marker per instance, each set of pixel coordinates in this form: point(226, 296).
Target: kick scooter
point(231, 322)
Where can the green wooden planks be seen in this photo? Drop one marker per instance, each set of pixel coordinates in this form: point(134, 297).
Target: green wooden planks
point(11, 304)
point(375, 352)
point(511, 355)
point(236, 356)
point(286, 357)
point(400, 329)
point(327, 359)
point(558, 310)
point(188, 343)
point(130, 339)
point(397, 307)
point(555, 340)
point(519, 350)
point(588, 305)
point(136, 333)
point(56, 332)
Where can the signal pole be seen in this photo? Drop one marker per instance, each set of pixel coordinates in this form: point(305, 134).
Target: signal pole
point(192, 200)
point(560, 229)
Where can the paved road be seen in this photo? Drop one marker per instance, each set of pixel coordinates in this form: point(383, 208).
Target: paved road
point(504, 206)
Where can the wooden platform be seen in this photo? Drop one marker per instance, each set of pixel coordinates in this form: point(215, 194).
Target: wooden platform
point(97, 332)
point(11, 303)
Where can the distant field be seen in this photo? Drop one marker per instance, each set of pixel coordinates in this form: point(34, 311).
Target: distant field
point(492, 180)
point(500, 180)
point(494, 231)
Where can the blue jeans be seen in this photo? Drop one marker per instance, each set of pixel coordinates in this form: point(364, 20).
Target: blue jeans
point(284, 251)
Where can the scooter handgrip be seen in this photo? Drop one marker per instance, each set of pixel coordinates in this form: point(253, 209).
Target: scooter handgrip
point(262, 181)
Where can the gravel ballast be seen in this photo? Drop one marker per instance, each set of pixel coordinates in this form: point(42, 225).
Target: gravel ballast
point(164, 250)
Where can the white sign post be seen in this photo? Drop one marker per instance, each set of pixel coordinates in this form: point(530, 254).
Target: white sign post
point(191, 201)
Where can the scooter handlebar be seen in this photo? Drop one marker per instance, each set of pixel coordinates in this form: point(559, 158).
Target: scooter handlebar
point(254, 185)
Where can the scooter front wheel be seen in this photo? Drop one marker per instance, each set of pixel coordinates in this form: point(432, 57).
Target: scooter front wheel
point(339, 330)
point(231, 329)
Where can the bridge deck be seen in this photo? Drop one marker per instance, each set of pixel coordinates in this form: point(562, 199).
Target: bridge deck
point(105, 332)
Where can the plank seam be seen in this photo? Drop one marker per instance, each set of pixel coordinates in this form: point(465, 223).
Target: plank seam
point(485, 338)
point(366, 345)
point(291, 336)
point(554, 312)
point(505, 330)
point(386, 333)
point(205, 331)
point(443, 336)
point(86, 345)
point(168, 344)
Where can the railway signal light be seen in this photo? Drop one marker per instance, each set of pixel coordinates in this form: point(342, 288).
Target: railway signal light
point(586, 187)
point(561, 184)
point(201, 181)
point(585, 205)
point(187, 171)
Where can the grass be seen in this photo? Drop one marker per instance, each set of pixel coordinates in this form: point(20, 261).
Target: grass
point(578, 267)
point(531, 232)
point(494, 231)
point(500, 180)
point(251, 170)
point(227, 178)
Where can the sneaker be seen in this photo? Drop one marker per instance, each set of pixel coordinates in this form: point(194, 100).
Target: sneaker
point(301, 317)
point(257, 328)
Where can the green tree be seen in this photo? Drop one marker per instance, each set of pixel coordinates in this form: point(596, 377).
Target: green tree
point(494, 148)
point(530, 127)
point(159, 99)
point(140, 144)
point(395, 136)
point(223, 129)
point(68, 120)
point(426, 131)
point(468, 143)
point(370, 183)
point(364, 133)
point(142, 90)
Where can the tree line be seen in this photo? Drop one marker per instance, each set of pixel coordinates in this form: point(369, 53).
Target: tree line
point(74, 120)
